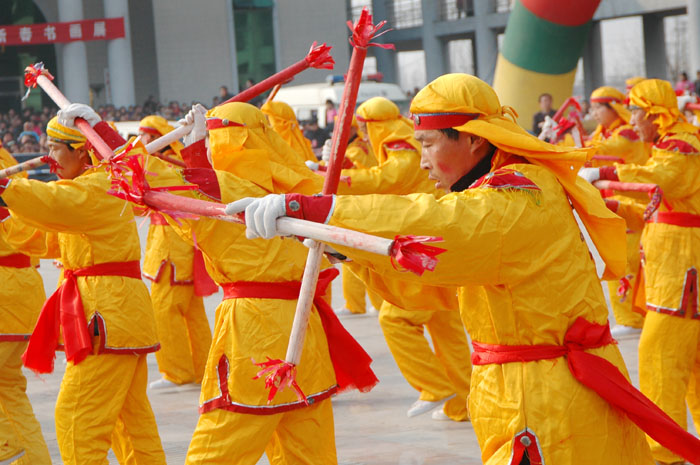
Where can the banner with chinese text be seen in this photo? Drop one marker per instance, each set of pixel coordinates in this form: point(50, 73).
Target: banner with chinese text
point(72, 31)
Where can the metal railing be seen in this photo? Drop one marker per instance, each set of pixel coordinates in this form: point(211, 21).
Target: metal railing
point(404, 13)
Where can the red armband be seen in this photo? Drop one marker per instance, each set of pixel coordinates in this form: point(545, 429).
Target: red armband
point(195, 155)
point(316, 208)
point(608, 173)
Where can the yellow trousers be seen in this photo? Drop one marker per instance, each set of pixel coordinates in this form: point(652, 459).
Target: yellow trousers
point(103, 400)
point(302, 436)
point(435, 375)
point(669, 370)
point(183, 330)
point(19, 428)
point(354, 293)
point(624, 314)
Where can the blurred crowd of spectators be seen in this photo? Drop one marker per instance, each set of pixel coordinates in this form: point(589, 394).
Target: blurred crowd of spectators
point(25, 131)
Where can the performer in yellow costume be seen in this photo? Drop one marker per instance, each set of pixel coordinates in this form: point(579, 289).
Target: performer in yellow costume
point(101, 314)
point(358, 153)
point(530, 296)
point(260, 281)
point(669, 348)
point(615, 138)
point(179, 281)
point(21, 298)
point(441, 377)
point(284, 122)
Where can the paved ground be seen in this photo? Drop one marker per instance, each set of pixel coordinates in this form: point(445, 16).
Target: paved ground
point(371, 428)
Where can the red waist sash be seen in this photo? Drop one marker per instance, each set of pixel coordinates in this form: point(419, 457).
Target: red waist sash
point(63, 310)
point(687, 220)
point(602, 377)
point(16, 260)
point(350, 361)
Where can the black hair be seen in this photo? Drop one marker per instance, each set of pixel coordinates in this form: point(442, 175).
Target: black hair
point(546, 94)
point(451, 133)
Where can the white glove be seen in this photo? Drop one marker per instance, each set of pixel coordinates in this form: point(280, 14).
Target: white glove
point(590, 174)
point(326, 151)
point(67, 116)
point(260, 214)
point(547, 128)
point(196, 118)
point(313, 166)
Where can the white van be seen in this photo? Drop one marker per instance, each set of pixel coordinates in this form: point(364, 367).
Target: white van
point(310, 99)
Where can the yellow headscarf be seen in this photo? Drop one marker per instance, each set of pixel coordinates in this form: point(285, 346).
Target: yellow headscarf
point(60, 133)
point(657, 97)
point(160, 125)
point(284, 122)
point(469, 97)
point(243, 143)
point(614, 98)
point(633, 81)
point(384, 125)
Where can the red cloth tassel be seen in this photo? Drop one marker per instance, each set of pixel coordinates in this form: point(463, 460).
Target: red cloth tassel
point(602, 377)
point(63, 311)
point(203, 284)
point(411, 253)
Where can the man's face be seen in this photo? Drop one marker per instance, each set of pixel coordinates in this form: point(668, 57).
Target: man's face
point(545, 103)
point(71, 162)
point(644, 125)
point(447, 160)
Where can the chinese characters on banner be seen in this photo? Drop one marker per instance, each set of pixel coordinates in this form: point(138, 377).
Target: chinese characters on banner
point(48, 33)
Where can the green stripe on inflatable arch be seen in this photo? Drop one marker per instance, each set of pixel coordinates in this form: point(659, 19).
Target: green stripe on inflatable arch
point(539, 45)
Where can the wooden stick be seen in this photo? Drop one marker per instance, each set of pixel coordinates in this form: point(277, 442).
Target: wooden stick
point(24, 166)
point(363, 32)
point(273, 92)
point(625, 186)
point(167, 139)
point(102, 149)
point(287, 226)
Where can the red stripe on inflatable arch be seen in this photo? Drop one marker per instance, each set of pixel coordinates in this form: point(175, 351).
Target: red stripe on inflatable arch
point(564, 13)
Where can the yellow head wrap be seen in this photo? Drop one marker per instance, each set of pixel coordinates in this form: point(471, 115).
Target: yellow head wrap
point(284, 122)
point(384, 125)
point(162, 127)
point(60, 133)
point(657, 97)
point(464, 94)
point(633, 81)
point(614, 98)
point(245, 145)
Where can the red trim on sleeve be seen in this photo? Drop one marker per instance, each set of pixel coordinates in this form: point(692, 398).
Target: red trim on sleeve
point(3, 184)
point(608, 173)
point(309, 207)
point(195, 155)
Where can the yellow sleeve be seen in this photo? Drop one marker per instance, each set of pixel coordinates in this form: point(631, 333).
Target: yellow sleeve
point(633, 213)
point(675, 173)
point(470, 224)
point(28, 240)
point(620, 146)
point(59, 206)
point(398, 174)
